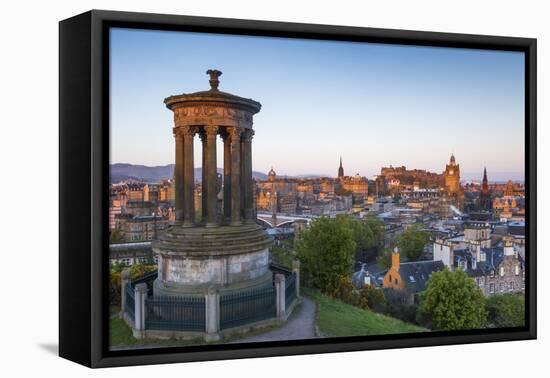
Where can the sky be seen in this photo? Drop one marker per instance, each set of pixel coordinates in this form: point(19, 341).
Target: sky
point(373, 104)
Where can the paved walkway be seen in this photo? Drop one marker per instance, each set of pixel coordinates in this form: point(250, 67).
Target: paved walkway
point(299, 326)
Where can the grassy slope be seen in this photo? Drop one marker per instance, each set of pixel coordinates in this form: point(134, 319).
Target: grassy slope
point(335, 318)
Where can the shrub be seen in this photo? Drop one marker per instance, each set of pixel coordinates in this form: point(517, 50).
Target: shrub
point(374, 297)
point(506, 310)
point(453, 301)
point(115, 278)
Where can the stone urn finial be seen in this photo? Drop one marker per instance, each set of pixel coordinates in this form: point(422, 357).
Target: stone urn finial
point(214, 82)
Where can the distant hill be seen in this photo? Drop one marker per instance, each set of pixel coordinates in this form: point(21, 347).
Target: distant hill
point(122, 171)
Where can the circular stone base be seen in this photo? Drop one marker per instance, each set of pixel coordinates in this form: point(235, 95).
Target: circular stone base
point(191, 259)
point(163, 289)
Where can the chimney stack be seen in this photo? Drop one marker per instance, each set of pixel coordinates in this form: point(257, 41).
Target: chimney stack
point(395, 258)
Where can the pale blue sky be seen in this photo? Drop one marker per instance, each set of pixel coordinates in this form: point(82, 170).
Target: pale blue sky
point(374, 104)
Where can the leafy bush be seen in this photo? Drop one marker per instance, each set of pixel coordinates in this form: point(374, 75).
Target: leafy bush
point(506, 310)
point(326, 251)
point(453, 301)
point(115, 278)
point(412, 242)
point(374, 297)
point(396, 305)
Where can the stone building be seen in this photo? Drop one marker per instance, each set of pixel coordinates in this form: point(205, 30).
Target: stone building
point(143, 228)
point(115, 209)
point(496, 270)
point(357, 185)
point(138, 192)
point(131, 253)
point(401, 175)
point(478, 232)
point(452, 182)
point(410, 277)
point(485, 202)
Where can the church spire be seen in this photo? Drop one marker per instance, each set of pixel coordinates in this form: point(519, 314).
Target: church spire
point(341, 168)
point(485, 182)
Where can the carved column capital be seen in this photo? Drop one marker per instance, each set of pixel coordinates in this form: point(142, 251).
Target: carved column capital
point(247, 135)
point(234, 133)
point(185, 131)
point(211, 130)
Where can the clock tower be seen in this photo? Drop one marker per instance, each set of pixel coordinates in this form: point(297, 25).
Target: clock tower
point(452, 177)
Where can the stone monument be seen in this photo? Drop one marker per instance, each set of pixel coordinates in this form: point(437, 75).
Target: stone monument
point(224, 249)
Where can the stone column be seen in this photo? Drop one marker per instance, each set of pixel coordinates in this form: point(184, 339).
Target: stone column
point(280, 283)
point(140, 293)
point(246, 156)
point(226, 176)
point(189, 177)
point(211, 168)
point(179, 175)
point(212, 313)
point(124, 280)
point(296, 271)
point(204, 178)
point(235, 135)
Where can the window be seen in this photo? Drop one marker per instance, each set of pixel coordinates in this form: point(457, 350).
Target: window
point(492, 288)
point(390, 279)
point(511, 286)
point(396, 281)
point(501, 271)
point(517, 270)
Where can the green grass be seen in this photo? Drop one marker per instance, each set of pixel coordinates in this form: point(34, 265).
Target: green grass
point(335, 318)
point(120, 335)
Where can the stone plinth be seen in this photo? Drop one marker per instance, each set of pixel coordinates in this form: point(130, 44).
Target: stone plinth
point(190, 260)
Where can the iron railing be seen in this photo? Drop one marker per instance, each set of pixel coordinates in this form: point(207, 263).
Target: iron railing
point(175, 313)
point(130, 301)
point(290, 290)
point(247, 307)
point(278, 268)
point(148, 279)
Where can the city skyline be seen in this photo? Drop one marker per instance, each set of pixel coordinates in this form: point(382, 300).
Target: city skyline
point(321, 97)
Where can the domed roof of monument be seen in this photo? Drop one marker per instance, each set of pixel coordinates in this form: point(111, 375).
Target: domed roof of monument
point(271, 173)
point(213, 95)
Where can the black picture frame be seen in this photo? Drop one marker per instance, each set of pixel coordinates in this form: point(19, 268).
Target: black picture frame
point(84, 168)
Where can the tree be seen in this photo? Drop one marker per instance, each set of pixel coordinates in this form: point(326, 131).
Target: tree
point(326, 250)
point(116, 236)
point(453, 301)
point(384, 259)
point(506, 310)
point(367, 232)
point(412, 241)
